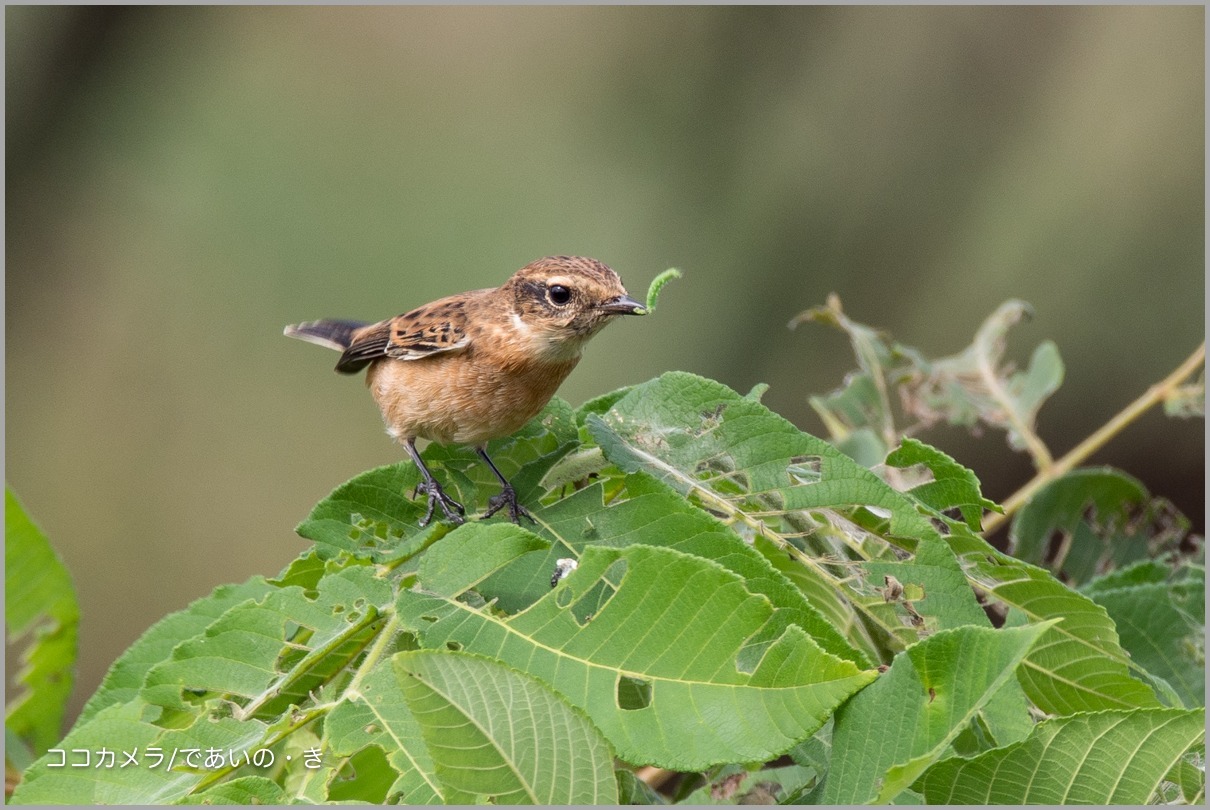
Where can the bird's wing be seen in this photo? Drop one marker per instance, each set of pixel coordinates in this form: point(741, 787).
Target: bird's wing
point(432, 329)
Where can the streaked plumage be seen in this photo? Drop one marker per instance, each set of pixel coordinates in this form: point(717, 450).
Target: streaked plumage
point(478, 365)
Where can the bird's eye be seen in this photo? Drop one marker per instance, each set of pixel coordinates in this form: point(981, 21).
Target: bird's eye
point(558, 295)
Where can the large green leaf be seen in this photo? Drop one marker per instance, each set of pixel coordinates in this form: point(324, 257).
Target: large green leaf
point(677, 642)
point(1160, 615)
point(40, 611)
point(229, 687)
point(245, 790)
point(938, 593)
point(125, 676)
point(1111, 757)
point(501, 735)
point(704, 439)
point(373, 515)
point(890, 732)
point(1092, 520)
point(265, 654)
point(1078, 665)
point(647, 512)
point(792, 493)
point(86, 767)
point(374, 715)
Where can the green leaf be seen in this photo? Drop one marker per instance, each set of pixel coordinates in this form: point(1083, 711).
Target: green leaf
point(468, 556)
point(375, 715)
point(806, 506)
point(1079, 664)
point(40, 611)
point(891, 731)
point(1092, 520)
point(1111, 757)
point(70, 774)
point(977, 386)
point(245, 790)
point(703, 438)
point(946, 602)
point(503, 735)
point(633, 790)
point(371, 516)
point(1162, 624)
point(648, 512)
point(122, 682)
point(665, 637)
point(953, 486)
point(266, 654)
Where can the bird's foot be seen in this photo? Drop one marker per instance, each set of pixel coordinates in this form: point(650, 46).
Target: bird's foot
point(453, 510)
point(508, 497)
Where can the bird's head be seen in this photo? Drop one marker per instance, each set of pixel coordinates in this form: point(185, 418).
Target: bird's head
point(564, 300)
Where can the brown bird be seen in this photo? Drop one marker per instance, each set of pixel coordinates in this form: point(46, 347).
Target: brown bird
point(478, 365)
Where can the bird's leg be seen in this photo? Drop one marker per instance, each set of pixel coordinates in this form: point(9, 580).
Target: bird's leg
point(436, 495)
point(507, 496)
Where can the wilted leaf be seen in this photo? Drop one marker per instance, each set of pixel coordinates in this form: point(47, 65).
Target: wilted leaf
point(977, 386)
point(1188, 400)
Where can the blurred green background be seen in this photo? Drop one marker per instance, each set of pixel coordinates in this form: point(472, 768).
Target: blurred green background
point(184, 182)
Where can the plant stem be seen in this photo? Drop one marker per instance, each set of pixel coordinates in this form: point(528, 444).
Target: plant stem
point(385, 636)
point(1154, 395)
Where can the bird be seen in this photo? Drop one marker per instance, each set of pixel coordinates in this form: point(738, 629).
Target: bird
point(476, 366)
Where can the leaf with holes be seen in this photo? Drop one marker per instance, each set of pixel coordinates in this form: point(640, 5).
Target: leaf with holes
point(374, 717)
point(1092, 520)
point(646, 512)
point(1079, 664)
point(40, 611)
point(976, 385)
point(953, 486)
point(706, 440)
point(667, 652)
point(891, 731)
point(269, 653)
point(77, 773)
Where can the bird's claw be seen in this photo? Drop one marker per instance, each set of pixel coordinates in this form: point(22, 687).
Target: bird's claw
point(452, 510)
point(508, 497)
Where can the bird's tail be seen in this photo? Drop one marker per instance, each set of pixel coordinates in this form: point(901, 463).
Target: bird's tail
point(336, 335)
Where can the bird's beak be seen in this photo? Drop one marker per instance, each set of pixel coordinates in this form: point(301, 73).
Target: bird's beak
point(623, 305)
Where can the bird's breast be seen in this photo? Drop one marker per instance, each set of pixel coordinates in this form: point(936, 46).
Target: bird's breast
point(464, 397)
